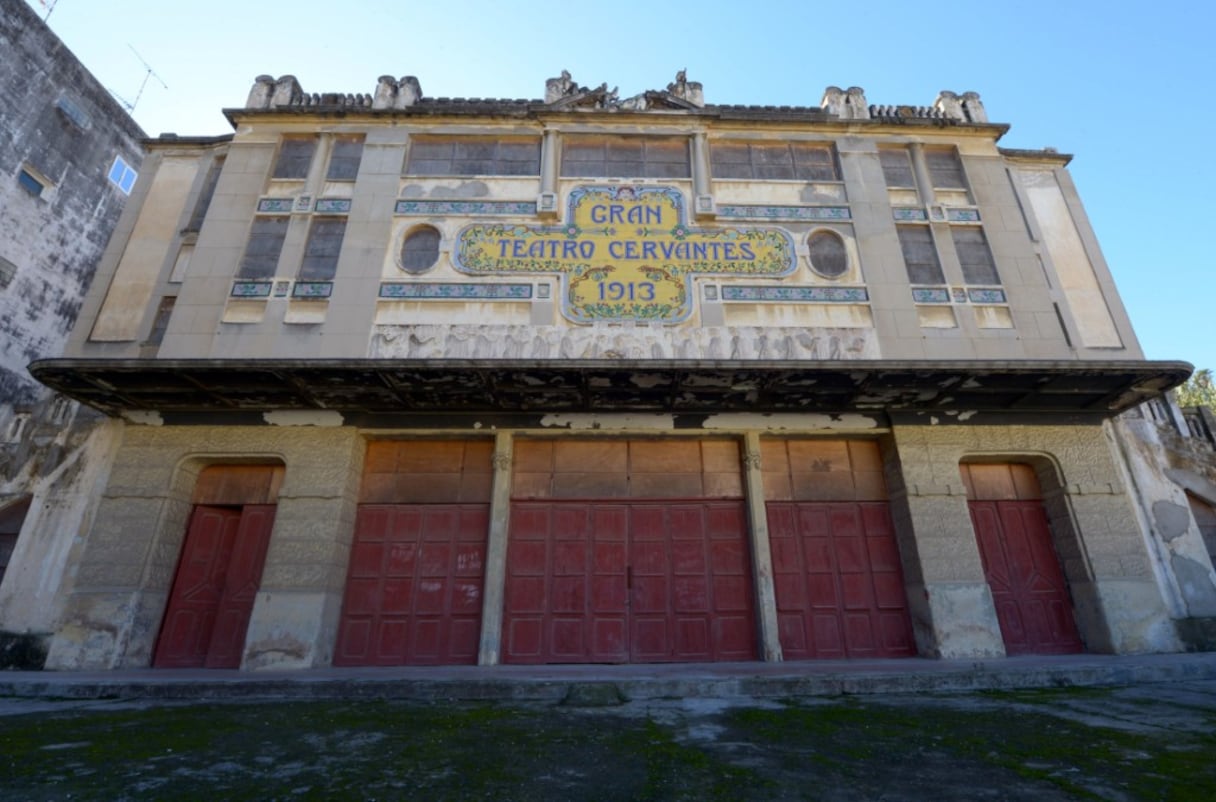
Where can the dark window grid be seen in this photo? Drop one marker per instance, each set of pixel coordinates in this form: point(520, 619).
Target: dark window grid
point(624, 158)
point(160, 324)
point(453, 157)
point(295, 157)
point(321, 252)
point(344, 160)
point(945, 169)
point(920, 255)
point(974, 255)
point(897, 169)
point(261, 258)
point(420, 251)
point(774, 162)
point(205, 196)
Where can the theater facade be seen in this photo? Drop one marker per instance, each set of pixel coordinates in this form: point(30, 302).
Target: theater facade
point(402, 380)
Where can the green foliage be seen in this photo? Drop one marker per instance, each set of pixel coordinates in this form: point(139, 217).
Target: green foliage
point(1198, 391)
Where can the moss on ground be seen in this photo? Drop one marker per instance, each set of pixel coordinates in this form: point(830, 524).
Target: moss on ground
point(839, 749)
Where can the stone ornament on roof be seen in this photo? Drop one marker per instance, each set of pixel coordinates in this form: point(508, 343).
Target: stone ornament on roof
point(564, 92)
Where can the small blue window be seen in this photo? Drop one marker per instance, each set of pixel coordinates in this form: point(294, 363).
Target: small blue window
point(30, 184)
point(122, 175)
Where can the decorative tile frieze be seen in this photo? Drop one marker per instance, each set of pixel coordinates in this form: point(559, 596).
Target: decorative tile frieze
point(962, 215)
point(252, 289)
point(958, 295)
point(333, 205)
point(986, 295)
point(435, 291)
point(931, 295)
point(909, 213)
point(462, 207)
point(275, 205)
point(755, 212)
point(796, 294)
point(312, 289)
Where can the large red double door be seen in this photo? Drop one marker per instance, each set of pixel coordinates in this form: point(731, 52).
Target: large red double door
point(628, 581)
point(213, 592)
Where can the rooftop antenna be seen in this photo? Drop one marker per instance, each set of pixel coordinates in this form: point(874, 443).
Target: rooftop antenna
point(150, 73)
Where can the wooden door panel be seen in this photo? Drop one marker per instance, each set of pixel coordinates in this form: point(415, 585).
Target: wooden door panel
point(1028, 587)
point(838, 581)
point(413, 590)
point(661, 581)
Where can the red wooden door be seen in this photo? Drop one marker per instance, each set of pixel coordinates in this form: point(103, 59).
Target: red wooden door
point(413, 589)
point(213, 592)
point(594, 582)
point(838, 581)
point(1028, 587)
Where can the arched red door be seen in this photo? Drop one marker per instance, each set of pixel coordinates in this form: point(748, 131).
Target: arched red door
point(1033, 604)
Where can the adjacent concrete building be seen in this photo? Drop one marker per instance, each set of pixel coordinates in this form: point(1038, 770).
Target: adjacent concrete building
point(69, 156)
point(410, 380)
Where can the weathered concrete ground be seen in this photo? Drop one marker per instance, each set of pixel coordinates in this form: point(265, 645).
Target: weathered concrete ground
point(1154, 741)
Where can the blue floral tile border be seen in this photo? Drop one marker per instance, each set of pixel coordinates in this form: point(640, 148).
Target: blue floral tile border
point(903, 213)
point(796, 294)
point(525, 208)
point(433, 291)
point(276, 205)
point(252, 289)
point(958, 295)
point(312, 289)
point(333, 205)
point(751, 212)
point(962, 215)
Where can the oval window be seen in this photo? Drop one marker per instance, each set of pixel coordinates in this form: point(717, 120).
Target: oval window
point(420, 250)
point(828, 254)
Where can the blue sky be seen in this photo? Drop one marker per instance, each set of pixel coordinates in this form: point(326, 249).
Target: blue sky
point(1125, 86)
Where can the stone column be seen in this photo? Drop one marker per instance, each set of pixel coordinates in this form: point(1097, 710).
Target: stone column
point(762, 558)
point(495, 580)
point(546, 204)
point(702, 190)
point(953, 615)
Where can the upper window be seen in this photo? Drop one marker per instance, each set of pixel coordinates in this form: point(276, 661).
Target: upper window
point(344, 158)
point(920, 255)
point(420, 250)
point(829, 257)
point(122, 175)
point(473, 156)
point(897, 168)
point(205, 195)
point(295, 157)
point(973, 255)
point(771, 161)
point(261, 257)
point(625, 157)
point(945, 169)
point(324, 244)
point(30, 183)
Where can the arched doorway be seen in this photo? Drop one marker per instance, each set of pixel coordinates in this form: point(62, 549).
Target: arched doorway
point(1033, 603)
point(220, 567)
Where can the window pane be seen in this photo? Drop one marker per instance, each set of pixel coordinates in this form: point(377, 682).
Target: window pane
point(772, 162)
point(974, 255)
point(945, 169)
point(160, 324)
point(262, 251)
point(29, 183)
point(324, 244)
point(920, 255)
point(344, 159)
point(295, 155)
point(205, 195)
point(828, 255)
point(897, 168)
point(420, 250)
point(473, 156)
point(625, 157)
point(815, 163)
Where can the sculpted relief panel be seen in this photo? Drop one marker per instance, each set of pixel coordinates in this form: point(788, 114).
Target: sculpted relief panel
point(460, 341)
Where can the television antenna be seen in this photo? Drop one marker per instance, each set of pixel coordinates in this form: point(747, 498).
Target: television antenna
point(148, 73)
